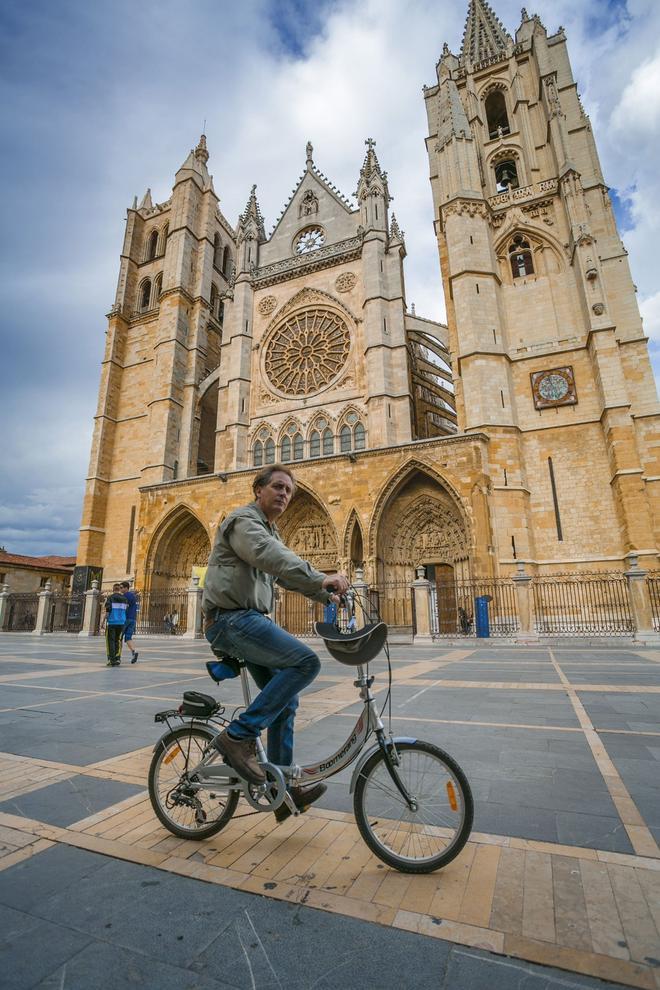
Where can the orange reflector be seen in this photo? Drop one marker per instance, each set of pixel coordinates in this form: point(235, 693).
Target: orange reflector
point(177, 750)
point(451, 794)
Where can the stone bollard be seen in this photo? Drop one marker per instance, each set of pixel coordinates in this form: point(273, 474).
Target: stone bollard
point(44, 611)
point(523, 592)
point(90, 624)
point(361, 599)
point(4, 606)
point(195, 618)
point(640, 602)
point(421, 589)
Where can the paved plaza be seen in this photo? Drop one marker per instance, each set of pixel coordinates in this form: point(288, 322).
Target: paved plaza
point(559, 885)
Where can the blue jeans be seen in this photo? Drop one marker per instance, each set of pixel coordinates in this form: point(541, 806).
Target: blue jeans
point(280, 664)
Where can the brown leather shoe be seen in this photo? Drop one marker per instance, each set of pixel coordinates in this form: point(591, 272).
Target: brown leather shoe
point(241, 755)
point(302, 798)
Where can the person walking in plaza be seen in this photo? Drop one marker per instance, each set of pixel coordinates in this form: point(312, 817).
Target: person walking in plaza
point(248, 557)
point(131, 617)
point(116, 607)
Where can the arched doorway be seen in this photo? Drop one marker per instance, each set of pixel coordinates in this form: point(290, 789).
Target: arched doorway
point(307, 529)
point(178, 545)
point(421, 524)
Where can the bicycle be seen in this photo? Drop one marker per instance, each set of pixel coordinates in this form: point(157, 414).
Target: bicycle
point(412, 802)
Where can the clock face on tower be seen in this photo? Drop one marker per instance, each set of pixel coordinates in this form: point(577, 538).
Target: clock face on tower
point(554, 387)
point(310, 239)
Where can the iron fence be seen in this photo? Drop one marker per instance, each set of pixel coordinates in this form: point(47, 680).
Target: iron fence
point(22, 612)
point(454, 607)
point(584, 604)
point(393, 602)
point(653, 586)
point(162, 612)
point(66, 613)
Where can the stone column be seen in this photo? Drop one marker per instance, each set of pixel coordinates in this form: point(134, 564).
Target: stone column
point(43, 611)
point(361, 600)
point(640, 602)
point(421, 588)
point(4, 606)
point(90, 624)
point(194, 623)
point(523, 591)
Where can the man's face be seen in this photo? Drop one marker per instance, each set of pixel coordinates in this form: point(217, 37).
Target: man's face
point(274, 497)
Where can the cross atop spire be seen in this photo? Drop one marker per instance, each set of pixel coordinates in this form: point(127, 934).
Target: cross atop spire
point(371, 165)
point(484, 35)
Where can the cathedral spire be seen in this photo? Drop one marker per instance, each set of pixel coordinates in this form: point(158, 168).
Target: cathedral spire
point(251, 222)
point(371, 174)
point(484, 35)
point(201, 151)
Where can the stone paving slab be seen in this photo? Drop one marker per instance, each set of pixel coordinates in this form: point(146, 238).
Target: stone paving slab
point(588, 901)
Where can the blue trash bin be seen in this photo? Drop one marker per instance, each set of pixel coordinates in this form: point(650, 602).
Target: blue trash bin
point(481, 615)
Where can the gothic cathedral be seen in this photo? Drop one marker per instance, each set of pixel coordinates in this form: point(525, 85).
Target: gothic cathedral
point(525, 430)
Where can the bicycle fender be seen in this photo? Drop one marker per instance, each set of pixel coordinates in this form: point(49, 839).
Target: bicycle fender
point(370, 752)
point(193, 722)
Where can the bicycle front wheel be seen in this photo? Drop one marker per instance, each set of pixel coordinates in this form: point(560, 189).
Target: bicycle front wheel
point(431, 835)
point(186, 810)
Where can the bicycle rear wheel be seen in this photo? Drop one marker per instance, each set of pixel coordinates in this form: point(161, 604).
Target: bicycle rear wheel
point(429, 837)
point(184, 810)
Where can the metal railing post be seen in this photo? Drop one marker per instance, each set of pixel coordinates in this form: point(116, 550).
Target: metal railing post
point(361, 601)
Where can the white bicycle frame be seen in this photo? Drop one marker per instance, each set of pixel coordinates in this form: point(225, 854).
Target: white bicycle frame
point(210, 771)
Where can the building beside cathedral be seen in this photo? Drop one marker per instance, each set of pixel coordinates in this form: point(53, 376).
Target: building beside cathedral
point(527, 429)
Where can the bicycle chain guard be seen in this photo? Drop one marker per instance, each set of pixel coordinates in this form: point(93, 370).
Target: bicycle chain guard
point(268, 796)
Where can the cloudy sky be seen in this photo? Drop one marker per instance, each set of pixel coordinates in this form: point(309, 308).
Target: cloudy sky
point(101, 99)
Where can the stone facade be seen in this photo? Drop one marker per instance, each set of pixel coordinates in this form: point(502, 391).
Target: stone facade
point(524, 430)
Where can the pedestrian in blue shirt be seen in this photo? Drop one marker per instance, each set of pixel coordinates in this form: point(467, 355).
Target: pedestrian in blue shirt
point(131, 617)
point(116, 607)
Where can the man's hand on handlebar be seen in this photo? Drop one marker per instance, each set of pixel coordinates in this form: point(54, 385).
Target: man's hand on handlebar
point(336, 584)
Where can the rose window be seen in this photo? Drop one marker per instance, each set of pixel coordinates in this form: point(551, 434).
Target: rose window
point(308, 240)
point(307, 352)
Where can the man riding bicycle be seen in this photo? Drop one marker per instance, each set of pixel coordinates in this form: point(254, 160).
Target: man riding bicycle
point(247, 558)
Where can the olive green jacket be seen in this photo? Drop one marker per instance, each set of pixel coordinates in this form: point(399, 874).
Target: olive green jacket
point(247, 558)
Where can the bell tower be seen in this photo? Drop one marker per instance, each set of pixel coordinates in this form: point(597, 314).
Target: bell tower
point(548, 352)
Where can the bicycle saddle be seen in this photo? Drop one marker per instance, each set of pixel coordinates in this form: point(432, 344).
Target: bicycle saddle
point(353, 648)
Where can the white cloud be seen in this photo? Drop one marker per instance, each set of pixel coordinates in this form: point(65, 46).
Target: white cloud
point(639, 107)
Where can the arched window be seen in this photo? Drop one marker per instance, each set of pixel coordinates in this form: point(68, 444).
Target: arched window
point(328, 442)
point(258, 454)
point(358, 435)
point(217, 252)
point(520, 256)
point(145, 295)
point(152, 245)
point(221, 312)
point(345, 439)
point(298, 447)
point(163, 238)
point(213, 302)
point(286, 449)
point(226, 260)
point(496, 115)
point(506, 175)
point(158, 288)
point(270, 451)
point(315, 444)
